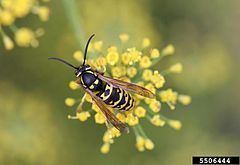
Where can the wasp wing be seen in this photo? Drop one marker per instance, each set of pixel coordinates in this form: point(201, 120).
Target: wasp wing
point(127, 86)
point(108, 114)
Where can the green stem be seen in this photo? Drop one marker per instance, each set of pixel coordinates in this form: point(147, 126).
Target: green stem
point(141, 131)
point(14, 28)
point(75, 21)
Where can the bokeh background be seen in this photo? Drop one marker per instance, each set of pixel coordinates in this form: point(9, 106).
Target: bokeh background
point(33, 118)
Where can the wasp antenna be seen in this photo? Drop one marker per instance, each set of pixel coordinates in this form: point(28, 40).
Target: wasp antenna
point(63, 61)
point(86, 48)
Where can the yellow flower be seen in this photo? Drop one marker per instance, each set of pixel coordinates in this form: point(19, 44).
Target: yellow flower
point(88, 98)
point(21, 8)
point(131, 72)
point(155, 106)
point(145, 62)
point(121, 117)
point(147, 74)
point(140, 142)
point(131, 119)
point(184, 99)
point(114, 132)
point(126, 58)
point(112, 56)
point(6, 17)
point(43, 13)
point(176, 124)
point(176, 68)
point(25, 37)
point(168, 50)
point(146, 42)
point(70, 101)
point(73, 85)
point(78, 55)
point(155, 53)
point(8, 43)
point(150, 87)
point(157, 79)
point(155, 120)
point(98, 45)
point(107, 137)
point(134, 54)
point(149, 145)
point(124, 37)
point(83, 116)
point(105, 148)
point(99, 118)
point(170, 97)
point(118, 71)
point(140, 112)
point(95, 107)
point(101, 62)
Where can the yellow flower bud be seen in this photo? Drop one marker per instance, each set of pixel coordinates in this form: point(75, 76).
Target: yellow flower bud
point(155, 106)
point(99, 118)
point(126, 58)
point(112, 57)
point(149, 144)
point(155, 120)
point(83, 116)
point(43, 13)
point(114, 132)
point(131, 72)
point(147, 74)
point(184, 99)
point(70, 101)
point(140, 111)
point(121, 117)
point(105, 148)
point(176, 68)
point(124, 37)
point(25, 37)
point(150, 87)
point(168, 96)
point(6, 17)
point(146, 42)
point(168, 50)
point(157, 79)
point(132, 120)
point(78, 55)
point(8, 43)
point(98, 45)
point(140, 142)
point(145, 62)
point(176, 124)
point(88, 98)
point(73, 85)
point(107, 137)
point(155, 53)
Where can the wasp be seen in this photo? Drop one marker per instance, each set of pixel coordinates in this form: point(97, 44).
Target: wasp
point(106, 91)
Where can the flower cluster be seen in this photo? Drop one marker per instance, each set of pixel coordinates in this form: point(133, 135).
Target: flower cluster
point(132, 65)
point(13, 10)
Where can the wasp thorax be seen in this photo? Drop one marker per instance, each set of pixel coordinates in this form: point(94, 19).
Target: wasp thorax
point(82, 69)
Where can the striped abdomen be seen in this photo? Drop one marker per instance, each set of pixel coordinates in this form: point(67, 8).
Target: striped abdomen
point(116, 98)
point(113, 97)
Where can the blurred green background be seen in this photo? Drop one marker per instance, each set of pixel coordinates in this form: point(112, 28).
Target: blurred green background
point(33, 118)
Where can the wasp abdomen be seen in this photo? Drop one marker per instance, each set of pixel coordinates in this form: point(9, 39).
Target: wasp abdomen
point(116, 98)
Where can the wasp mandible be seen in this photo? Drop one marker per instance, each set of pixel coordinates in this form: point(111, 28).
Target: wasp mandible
point(105, 91)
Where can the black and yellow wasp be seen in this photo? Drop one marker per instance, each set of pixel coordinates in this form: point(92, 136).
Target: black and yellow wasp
point(106, 91)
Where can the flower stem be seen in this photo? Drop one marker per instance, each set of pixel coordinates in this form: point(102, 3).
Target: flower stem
point(75, 21)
